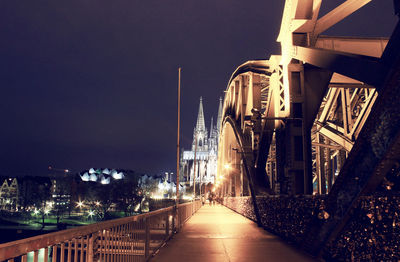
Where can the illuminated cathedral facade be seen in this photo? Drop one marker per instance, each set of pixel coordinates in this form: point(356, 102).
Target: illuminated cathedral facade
point(205, 147)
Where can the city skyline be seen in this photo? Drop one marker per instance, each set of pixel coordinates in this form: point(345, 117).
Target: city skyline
point(95, 84)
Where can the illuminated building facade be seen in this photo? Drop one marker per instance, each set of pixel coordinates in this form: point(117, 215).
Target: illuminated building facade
point(205, 147)
point(9, 195)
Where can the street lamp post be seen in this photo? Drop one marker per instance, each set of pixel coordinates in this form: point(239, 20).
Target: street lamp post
point(177, 144)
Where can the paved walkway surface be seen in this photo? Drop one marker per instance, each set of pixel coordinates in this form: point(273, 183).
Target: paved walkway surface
point(216, 233)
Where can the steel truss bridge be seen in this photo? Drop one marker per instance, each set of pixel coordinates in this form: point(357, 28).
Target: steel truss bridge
point(320, 118)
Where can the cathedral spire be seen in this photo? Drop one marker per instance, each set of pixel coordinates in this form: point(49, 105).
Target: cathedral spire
point(212, 128)
point(219, 119)
point(200, 126)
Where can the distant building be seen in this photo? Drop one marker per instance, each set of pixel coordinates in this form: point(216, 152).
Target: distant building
point(103, 176)
point(9, 195)
point(205, 146)
point(160, 187)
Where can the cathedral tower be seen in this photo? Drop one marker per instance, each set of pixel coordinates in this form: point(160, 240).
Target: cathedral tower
point(206, 150)
point(200, 132)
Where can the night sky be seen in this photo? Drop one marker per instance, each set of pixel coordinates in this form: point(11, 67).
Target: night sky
point(93, 83)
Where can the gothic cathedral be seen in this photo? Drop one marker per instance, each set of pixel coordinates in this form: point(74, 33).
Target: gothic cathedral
point(205, 148)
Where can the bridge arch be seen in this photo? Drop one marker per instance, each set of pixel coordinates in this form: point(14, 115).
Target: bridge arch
point(305, 120)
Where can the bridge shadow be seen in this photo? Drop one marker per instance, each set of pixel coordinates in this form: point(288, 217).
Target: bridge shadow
point(216, 233)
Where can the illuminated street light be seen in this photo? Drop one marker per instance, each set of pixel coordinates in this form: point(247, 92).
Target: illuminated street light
point(97, 203)
point(227, 166)
point(58, 169)
point(79, 204)
point(91, 213)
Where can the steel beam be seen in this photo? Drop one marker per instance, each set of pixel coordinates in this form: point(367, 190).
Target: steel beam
point(339, 138)
point(363, 68)
point(326, 146)
point(338, 14)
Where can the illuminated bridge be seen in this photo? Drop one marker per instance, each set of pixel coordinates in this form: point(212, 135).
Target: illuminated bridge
point(310, 141)
point(309, 150)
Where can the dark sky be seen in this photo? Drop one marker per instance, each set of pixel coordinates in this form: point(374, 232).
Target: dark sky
point(94, 83)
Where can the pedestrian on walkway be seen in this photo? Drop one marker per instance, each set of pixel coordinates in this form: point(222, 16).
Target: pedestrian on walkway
point(211, 198)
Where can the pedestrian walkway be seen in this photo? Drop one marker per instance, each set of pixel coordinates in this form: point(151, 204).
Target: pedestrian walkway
point(216, 233)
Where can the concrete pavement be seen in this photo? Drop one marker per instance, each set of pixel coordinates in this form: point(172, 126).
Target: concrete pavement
point(216, 233)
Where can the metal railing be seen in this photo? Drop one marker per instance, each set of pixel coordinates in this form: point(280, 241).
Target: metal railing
point(133, 238)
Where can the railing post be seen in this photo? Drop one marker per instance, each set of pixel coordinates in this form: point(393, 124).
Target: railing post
point(167, 224)
point(178, 218)
point(35, 256)
point(90, 249)
point(147, 238)
point(173, 220)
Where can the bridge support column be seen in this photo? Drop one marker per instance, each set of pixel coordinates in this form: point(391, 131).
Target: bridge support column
point(307, 86)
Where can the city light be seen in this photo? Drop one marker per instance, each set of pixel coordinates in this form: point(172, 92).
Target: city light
point(79, 204)
point(91, 213)
point(137, 207)
point(157, 196)
point(227, 166)
point(187, 197)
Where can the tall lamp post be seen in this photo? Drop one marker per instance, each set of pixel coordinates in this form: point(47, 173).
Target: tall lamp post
point(177, 144)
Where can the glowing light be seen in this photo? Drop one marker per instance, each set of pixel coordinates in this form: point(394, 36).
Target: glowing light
point(79, 204)
point(91, 213)
point(36, 212)
point(105, 181)
point(227, 166)
point(186, 197)
point(113, 172)
point(117, 175)
point(93, 177)
point(85, 177)
point(97, 203)
point(157, 197)
point(46, 211)
point(137, 207)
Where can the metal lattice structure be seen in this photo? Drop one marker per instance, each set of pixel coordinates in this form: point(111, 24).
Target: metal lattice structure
point(292, 122)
